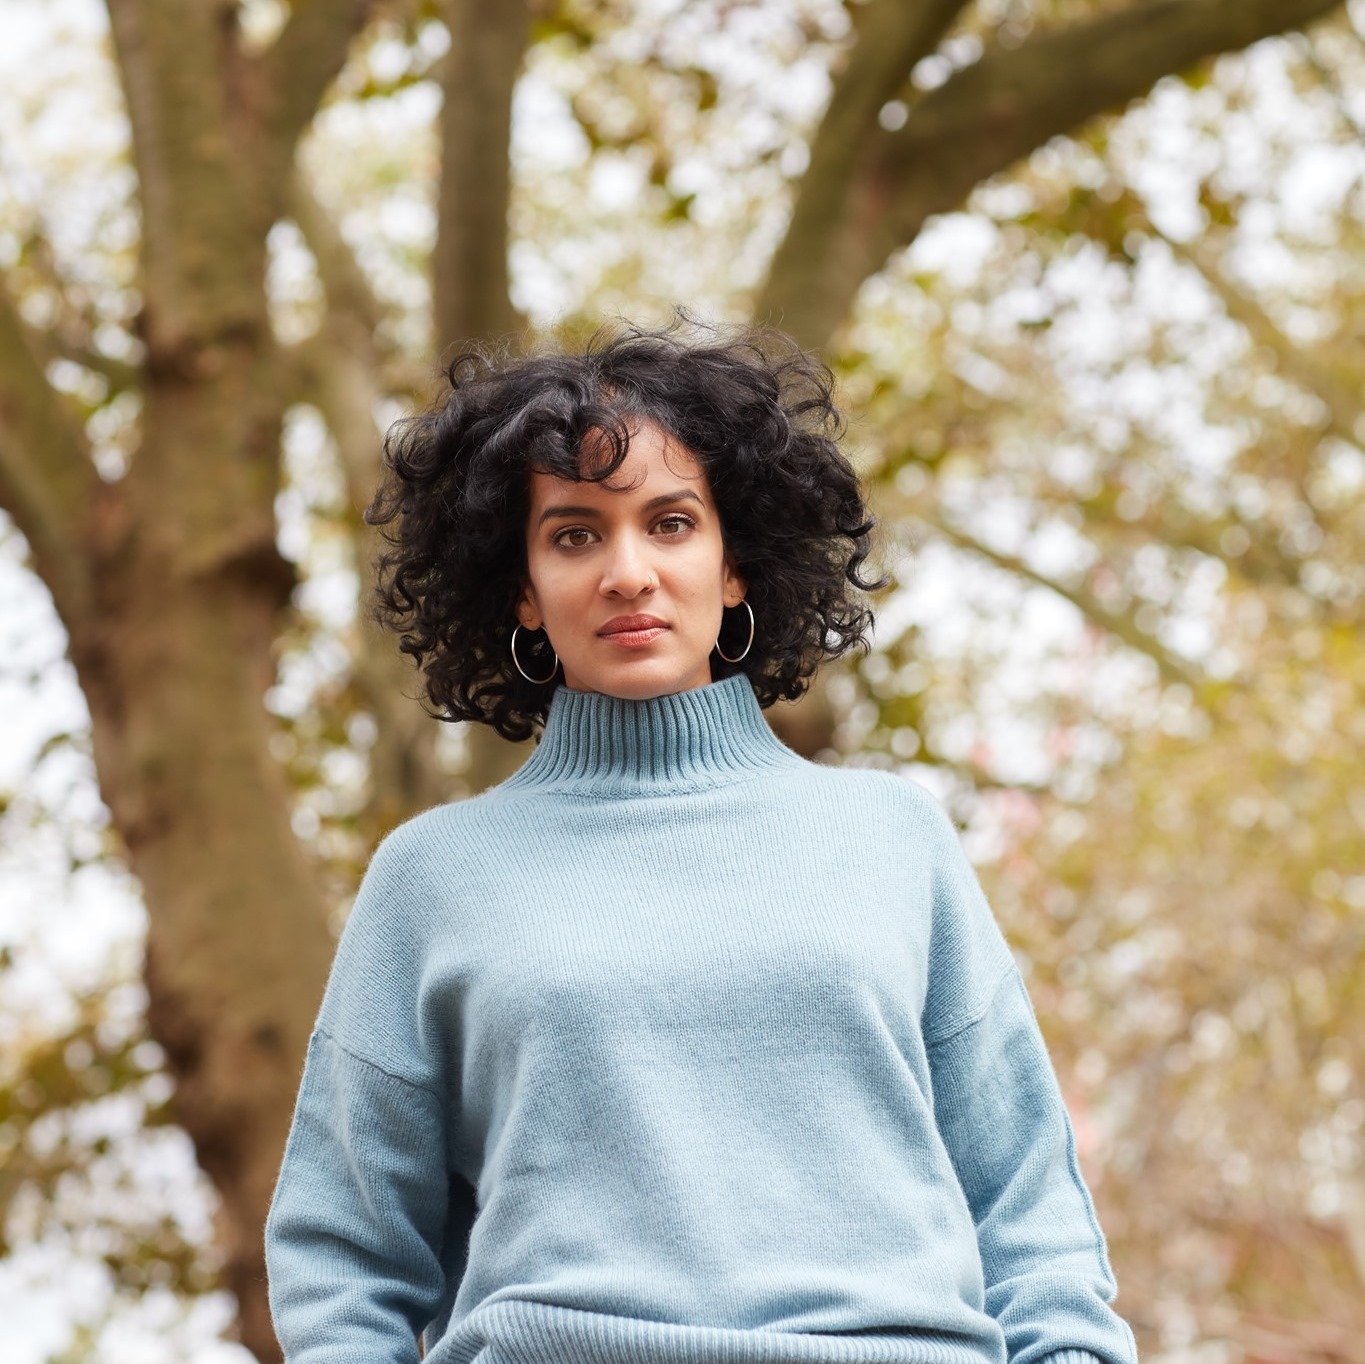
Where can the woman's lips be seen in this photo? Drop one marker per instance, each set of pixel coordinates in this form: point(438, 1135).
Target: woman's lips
point(634, 639)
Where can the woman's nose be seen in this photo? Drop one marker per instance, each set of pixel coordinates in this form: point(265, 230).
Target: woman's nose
point(628, 571)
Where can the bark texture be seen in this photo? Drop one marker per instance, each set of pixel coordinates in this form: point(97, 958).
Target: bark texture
point(891, 37)
point(47, 482)
point(469, 274)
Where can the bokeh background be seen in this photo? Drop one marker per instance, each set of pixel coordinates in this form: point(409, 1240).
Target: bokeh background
point(1091, 274)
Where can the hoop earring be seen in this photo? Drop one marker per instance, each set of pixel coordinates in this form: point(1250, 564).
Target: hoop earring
point(744, 602)
point(516, 663)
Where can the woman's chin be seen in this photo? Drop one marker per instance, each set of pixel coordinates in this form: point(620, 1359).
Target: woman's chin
point(640, 679)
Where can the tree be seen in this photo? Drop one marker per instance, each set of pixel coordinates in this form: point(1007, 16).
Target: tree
point(167, 574)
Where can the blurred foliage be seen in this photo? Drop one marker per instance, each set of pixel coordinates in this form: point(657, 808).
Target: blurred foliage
point(66, 1106)
point(1169, 799)
point(1111, 418)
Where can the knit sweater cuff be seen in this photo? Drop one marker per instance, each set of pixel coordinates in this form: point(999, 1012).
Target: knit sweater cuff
point(1071, 1357)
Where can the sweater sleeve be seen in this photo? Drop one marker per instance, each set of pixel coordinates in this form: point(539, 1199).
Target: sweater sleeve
point(1000, 1112)
point(358, 1227)
point(355, 1229)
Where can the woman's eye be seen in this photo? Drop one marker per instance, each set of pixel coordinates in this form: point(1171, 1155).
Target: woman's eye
point(675, 525)
point(566, 537)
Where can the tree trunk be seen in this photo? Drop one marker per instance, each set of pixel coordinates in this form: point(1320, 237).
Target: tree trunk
point(470, 278)
point(237, 945)
point(469, 271)
point(174, 661)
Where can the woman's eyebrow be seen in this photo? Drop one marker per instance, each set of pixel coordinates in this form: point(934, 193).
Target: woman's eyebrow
point(678, 495)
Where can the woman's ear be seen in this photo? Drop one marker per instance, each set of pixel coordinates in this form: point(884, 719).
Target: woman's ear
point(527, 614)
point(735, 588)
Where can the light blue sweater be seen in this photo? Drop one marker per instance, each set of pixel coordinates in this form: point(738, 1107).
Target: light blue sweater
point(730, 1047)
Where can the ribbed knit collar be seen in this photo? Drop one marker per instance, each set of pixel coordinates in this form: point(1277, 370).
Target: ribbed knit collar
point(706, 736)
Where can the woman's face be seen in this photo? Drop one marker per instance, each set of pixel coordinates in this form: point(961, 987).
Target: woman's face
point(628, 577)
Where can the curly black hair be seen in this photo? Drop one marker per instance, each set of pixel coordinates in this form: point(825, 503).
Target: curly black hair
point(756, 411)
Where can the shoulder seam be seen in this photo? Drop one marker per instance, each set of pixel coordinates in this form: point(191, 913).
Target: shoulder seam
point(975, 1017)
point(374, 1065)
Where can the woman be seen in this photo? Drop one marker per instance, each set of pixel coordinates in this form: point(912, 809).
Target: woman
point(674, 1046)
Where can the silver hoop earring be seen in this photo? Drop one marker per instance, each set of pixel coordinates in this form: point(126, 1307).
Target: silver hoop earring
point(516, 662)
point(744, 602)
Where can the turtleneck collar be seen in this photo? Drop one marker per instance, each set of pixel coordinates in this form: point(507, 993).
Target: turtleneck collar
point(685, 740)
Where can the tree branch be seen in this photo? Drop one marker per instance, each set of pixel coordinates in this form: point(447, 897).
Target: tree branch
point(406, 775)
point(202, 249)
point(1331, 80)
point(350, 299)
point(469, 276)
point(1344, 410)
point(47, 481)
point(295, 72)
point(341, 363)
point(892, 36)
point(1118, 623)
point(992, 113)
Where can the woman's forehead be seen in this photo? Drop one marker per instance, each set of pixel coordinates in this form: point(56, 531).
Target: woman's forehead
point(654, 458)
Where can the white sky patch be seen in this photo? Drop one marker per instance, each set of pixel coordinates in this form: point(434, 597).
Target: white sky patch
point(46, 1297)
point(76, 190)
point(955, 246)
point(544, 132)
